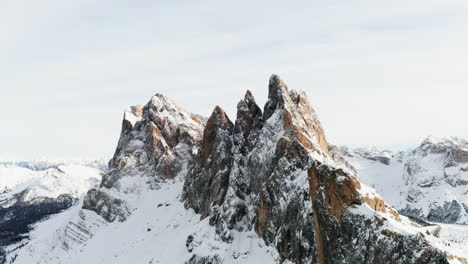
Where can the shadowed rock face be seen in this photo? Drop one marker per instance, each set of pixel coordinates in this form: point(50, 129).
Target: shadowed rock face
point(448, 213)
point(249, 121)
point(265, 154)
point(208, 178)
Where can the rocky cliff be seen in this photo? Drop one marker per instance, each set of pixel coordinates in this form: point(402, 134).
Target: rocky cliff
point(157, 141)
point(274, 174)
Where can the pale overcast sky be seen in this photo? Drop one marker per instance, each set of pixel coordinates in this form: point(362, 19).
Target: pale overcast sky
point(377, 72)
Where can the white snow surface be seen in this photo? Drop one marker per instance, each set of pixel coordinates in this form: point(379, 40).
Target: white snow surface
point(394, 185)
point(156, 232)
point(158, 227)
point(74, 180)
point(420, 179)
point(386, 179)
point(453, 238)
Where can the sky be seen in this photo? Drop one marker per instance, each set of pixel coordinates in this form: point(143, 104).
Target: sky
point(383, 73)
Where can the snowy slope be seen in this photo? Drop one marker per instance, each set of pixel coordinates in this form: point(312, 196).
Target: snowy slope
point(430, 182)
point(158, 231)
point(381, 170)
point(30, 192)
point(73, 180)
point(385, 172)
point(436, 181)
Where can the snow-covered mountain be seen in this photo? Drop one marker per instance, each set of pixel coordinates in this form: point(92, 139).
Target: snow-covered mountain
point(429, 183)
point(33, 190)
point(436, 181)
point(266, 188)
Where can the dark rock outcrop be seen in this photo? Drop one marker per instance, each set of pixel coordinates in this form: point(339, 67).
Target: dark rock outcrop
point(208, 179)
point(108, 207)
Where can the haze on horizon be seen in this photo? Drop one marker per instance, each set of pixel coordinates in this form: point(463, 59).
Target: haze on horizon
point(377, 73)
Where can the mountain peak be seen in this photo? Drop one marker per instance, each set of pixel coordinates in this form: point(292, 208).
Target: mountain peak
point(160, 101)
point(249, 118)
point(218, 116)
point(248, 95)
point(277, 95)
point(276, 84)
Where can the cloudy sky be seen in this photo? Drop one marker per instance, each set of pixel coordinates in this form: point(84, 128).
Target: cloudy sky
point(385, 73)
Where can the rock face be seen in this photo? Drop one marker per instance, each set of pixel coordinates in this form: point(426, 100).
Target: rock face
point(156, 137)
point(344, 236)
point(278, 178)
point(156, 141)
point(208, 178)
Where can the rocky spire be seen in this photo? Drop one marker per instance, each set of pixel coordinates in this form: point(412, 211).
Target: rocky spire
point(208, 177)
point(132, 115)
point(298, 115)
point(277, 93)
point(157, 140)
point(217, 128)
point(249, 120)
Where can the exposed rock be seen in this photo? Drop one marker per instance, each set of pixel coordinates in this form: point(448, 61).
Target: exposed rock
point(108, 207)
point(449, 213)
point(249, 120)
point(266, 154)
point(273, 178)
point(338, 196)
point(204, 260)
point(208, 178)
point(298, 115)
point(346, 237)
point(157, 141)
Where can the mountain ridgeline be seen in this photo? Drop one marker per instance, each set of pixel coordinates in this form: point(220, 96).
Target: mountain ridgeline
point(270, 172)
